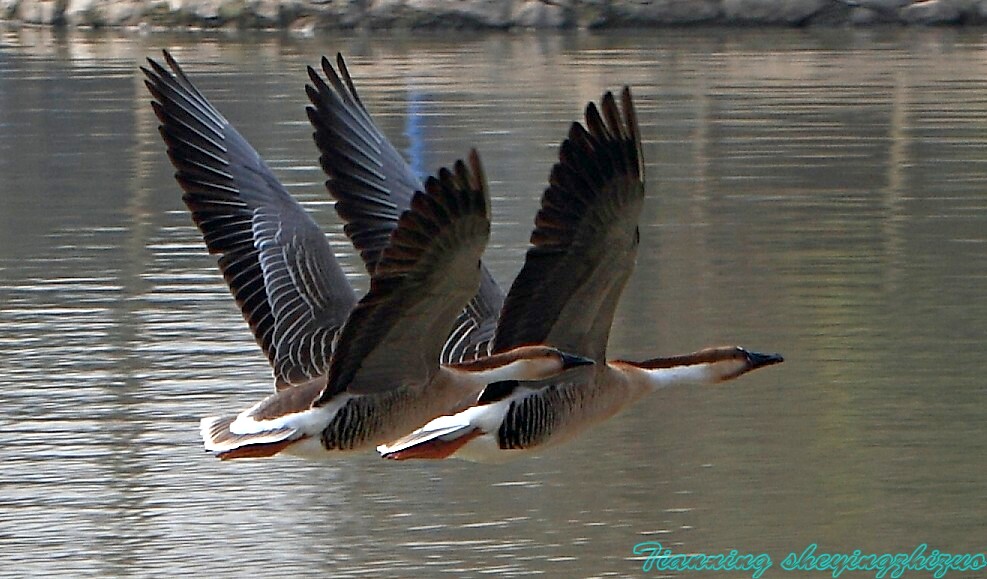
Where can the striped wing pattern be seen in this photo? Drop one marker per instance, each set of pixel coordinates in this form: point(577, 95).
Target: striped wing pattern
point(279, 266)
point(585, 239)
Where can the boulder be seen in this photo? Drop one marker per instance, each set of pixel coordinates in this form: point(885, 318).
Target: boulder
point(979, 12)
point(41, 11)
point(439, 13)
point(663, 12)
point(273, 13)
point(870, 12)
point(787, 12)
point(881, 6)
point(98, 13)
point(538, 14)
point(860, 16)
point(202, 11)
point(933, 12)
point(332, 14)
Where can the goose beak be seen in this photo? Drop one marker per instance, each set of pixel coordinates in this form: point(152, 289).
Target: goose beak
point(758, 360)
point(572, 360)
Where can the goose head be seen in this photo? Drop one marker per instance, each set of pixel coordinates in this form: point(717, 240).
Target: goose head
point(709, 366)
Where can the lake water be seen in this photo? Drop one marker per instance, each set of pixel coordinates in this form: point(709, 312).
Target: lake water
point(820, 193)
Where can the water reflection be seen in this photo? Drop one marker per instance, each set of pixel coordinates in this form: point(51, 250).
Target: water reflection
point(814, 192)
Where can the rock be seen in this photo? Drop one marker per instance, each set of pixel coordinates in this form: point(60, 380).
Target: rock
point(789, 12)
point(333, 14)
point(121, 13)
point(869, 12)
point(79, 11)
point(439, 13)
point(537, 14)
point(202, 11)
point(305, 16)
point(41, 11)
point(304, 26)
point(98, 13)
point(932, 12)
point(162, 13)
point(664, 12)
point(273, 13)
point(269, 11)
point(591, 13)
point(831, 14)
point(230, 10)
point(860, 16)
point(880, 6)
point(8, 9)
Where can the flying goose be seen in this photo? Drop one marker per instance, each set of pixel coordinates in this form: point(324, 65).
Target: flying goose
point(583, 251)
point(278, 264)
point(348, 374)
point(372, 185)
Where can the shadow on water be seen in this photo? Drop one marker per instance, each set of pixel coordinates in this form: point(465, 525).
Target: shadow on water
point(819, 193)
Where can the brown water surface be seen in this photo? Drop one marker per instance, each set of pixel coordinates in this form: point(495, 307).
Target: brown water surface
point(818, 193)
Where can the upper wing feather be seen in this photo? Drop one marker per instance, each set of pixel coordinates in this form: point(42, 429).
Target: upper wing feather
point(373, 186)
point(275, 259)
point(585, 239)
point(423, 279)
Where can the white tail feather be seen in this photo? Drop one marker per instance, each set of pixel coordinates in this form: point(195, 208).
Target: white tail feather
point(217, 437)
point(450, 430)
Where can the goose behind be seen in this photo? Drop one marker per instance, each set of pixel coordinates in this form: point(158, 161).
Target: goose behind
point(424, 261)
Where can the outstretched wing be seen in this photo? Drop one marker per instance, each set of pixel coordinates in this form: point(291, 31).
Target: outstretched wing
point(373, 186)
point(585, 239)
point(278, 264)
point(424, 278)
point(420, 284)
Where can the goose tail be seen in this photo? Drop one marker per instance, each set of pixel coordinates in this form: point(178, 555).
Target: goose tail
point(438, 439)
point(226, 444)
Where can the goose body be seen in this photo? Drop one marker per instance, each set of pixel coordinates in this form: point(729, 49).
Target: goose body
point(525, 417)
point(583, 250)
point(290, 421)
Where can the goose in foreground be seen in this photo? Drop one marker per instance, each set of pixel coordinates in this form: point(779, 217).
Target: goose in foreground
point(384, 376)
point(346, 377)
point(583, 250)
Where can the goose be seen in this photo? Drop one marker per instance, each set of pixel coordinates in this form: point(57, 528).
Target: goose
point(348, 374)
point(582, 252)
point(372, 185)
point(280, 268)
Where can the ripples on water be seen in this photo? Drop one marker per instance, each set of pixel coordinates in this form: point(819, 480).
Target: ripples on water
point(819, 193)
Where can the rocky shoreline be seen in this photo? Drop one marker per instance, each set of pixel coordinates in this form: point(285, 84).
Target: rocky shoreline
point(311, 15)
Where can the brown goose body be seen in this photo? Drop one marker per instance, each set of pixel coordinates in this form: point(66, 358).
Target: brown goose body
point(583, 250)
point(294, 422)
point(527, 417)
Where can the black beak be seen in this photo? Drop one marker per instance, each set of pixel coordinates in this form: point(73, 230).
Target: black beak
point(758, 360)
point(572, 360)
